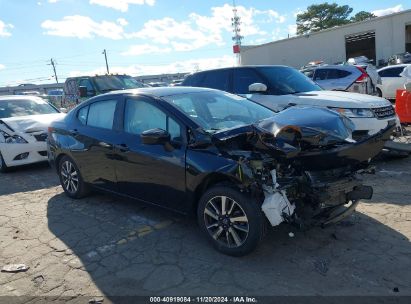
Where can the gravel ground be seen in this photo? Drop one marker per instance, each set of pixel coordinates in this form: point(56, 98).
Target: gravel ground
point(105, 246)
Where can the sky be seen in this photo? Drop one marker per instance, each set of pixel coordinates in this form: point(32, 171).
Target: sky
point(141, 37)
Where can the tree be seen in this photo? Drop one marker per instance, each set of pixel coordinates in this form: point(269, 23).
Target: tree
point(361, 16)
point(318, 17)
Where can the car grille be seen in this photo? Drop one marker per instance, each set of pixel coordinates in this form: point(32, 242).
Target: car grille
point(384, 112)
point(41, 137)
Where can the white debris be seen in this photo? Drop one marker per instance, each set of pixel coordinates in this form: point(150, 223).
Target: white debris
point(276, 203)
point(291, 235)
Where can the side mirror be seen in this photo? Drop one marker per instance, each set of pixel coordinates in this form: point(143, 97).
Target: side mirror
point(257, 88)
point(63, 110)
point(155, 137)
point(82, 91)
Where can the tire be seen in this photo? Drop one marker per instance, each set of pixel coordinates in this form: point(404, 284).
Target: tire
point(70, 179)
point(3, 166)
point(231, 237)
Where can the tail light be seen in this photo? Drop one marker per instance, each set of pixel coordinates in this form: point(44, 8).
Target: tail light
point(363, 77)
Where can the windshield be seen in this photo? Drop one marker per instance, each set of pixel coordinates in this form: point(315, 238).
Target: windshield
point(215, 111)
point(286, 80)
point(25, 107)
point(116, 82)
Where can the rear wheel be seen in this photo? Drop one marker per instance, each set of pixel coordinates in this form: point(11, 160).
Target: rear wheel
point(71, 180)
point(232, 221)
point(3, 166)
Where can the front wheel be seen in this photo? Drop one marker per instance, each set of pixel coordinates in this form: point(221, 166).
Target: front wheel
point(70, 179)
point(232, 221)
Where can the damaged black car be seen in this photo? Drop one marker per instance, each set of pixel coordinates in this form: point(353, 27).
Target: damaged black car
point(235, 165)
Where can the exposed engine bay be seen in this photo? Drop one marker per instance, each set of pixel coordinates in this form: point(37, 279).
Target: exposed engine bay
point(303, 164)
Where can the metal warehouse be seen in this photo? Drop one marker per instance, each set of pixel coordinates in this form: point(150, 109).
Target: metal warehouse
point(378, 39)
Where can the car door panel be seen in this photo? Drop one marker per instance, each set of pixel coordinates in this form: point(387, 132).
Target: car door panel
point(152, 173)
point(95, 156)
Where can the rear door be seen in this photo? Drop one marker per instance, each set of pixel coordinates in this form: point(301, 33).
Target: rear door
point(152, 173)
point(96, 134)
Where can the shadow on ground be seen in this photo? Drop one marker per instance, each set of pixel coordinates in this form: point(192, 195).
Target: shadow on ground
point(27, 178)
point(130, 249)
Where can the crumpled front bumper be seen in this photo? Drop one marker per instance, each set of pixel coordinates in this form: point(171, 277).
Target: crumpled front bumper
point(37, 153)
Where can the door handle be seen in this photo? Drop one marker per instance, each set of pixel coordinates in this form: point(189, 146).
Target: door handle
point(104, 144)
point(122, 147)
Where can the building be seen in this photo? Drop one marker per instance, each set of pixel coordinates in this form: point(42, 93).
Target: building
point(378, 39)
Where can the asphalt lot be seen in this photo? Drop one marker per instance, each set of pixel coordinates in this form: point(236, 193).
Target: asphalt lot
point(105, 246)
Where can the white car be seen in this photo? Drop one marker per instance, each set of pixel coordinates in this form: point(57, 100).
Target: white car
point(23, 130)
point(391, 80)
point(278, 87)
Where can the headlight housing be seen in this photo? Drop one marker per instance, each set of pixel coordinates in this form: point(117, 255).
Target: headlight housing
point(11, 139)
point(355, 113)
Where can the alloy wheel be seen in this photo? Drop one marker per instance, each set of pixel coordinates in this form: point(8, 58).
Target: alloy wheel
point(226, 221)
point(69, 177)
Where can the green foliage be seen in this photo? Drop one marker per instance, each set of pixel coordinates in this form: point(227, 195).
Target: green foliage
point(361, 16)
point(318, 17)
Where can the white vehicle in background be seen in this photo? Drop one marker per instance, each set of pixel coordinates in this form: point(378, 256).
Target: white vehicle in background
point(279, 87)
point(391, 80)
point(23, 129)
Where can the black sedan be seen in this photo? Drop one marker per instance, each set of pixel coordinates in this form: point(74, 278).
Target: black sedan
point(233, 163)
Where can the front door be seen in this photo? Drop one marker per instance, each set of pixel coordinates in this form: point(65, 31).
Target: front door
point(153, 173)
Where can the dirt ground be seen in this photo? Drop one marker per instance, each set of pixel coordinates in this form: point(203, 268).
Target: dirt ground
point(105, 246)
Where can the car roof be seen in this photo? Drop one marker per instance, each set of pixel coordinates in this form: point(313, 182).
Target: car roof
point(243, 67)
point(18, 97)
point(401, 65)
point(160, 91)
point(336, 66)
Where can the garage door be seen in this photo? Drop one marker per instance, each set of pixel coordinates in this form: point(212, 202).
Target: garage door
point(360, 45)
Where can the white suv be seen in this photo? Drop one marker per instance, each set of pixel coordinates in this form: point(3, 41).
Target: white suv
point(278, 87)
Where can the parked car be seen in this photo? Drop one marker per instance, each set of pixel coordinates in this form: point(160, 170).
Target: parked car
point(391, 80)
point(279, 87)
point(230, 161)
point(23, 130)
point(400, 58)
point(349, 78)
point(78, 89)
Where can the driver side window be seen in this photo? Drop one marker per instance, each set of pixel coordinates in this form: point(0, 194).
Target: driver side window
point(140, 116)
point(242, 78)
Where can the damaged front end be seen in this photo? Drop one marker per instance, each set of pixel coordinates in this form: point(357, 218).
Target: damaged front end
point(303, 164)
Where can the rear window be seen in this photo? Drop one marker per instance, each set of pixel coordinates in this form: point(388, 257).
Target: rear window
point(217, 80)
point(391, 72)
point(101, 114)
point(324, 74)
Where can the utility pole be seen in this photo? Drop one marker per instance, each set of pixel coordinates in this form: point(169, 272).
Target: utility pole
point(105, 56)
point(54, 69)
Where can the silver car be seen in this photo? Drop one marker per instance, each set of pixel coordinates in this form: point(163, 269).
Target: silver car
point(350, 78)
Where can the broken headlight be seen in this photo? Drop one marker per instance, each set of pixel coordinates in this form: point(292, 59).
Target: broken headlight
point(11, 139)
point(355, 113)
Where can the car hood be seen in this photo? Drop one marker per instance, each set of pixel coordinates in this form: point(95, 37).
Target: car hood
point(316, 137)
point(341, 99)
point(32, 123)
